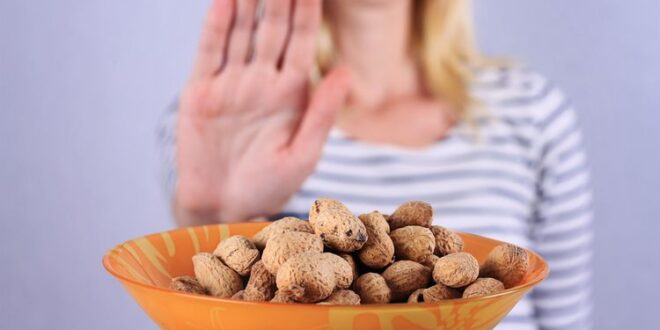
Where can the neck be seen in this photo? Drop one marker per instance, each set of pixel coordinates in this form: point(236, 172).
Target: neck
point(374, 41)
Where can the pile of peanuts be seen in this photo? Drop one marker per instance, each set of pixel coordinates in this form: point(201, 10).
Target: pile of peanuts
point(340, 259)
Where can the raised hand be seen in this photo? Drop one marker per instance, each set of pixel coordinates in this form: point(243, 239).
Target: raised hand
point(250, 131)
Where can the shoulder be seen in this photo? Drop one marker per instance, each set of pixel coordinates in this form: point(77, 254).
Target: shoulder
point(519, 93)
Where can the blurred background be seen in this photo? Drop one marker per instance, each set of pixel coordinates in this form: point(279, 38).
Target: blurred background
point(83, 83)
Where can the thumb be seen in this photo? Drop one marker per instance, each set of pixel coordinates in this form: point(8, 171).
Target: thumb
point(329, 97)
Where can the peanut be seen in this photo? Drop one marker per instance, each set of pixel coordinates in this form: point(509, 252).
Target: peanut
point(440, 292)
point(343, 270)
point(376, 220)
point(507, 263)
point(285, 261)
point(446, 241)
point(240, 295)
point(416, 297)
point(280, 226)
point(187, 284)
point(283, 246)
point(413, 243)
point(351, 262)
point(218, 279)
point(325, 204)
point(282, 298)
point(430, 261)
point(483, 287)
point(342, 297)
point(378, 251)
point(261, 285)
point(456, 270)
point(372, 289)
point(339, 229)
point(405, 276)
point(306, 278)
point(412, 214)
point(238, 253)
point(435, 293)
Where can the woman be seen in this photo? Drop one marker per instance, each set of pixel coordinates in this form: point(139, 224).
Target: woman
point(404, 108)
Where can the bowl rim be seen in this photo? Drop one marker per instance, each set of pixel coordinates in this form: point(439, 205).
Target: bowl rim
point(525, 287)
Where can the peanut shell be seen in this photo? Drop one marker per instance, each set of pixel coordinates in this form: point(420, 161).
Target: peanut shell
point(446, 241)
point(240, 295)
point(456, 270)
point(324, 204)
point(413, 243)
point(339, 229)
point(218, 279)
point(238, 253)
point(306, 278)
point(483, 287)
point(430, 261)
point(416, 297)
point(372, 289)
point(343, 270)
point(282, 298)
point(405, 276)
point(342, 297)
point(440, 292)
point(351, 261)
point(378, 251)
point(261, 285)
point(376, 221)
point(187, 284)
point(507, 263)
point(281, 247)
point(411, 214)
point(279, 226)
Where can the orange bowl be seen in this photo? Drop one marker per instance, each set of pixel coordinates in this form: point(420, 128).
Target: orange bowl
point(145, 266)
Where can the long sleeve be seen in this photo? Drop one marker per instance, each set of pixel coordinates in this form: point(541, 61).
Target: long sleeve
point(563, 226)
point(166, 143)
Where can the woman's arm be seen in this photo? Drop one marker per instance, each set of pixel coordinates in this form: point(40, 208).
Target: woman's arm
point(563, 227)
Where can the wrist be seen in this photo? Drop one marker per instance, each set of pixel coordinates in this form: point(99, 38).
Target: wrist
point(190, 210)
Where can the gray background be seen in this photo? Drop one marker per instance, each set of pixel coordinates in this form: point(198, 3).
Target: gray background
point(82, 84)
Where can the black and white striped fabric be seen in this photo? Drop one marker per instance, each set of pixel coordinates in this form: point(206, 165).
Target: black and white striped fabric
point(520, 175)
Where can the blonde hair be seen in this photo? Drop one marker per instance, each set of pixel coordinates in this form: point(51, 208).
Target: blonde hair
point(443, 41)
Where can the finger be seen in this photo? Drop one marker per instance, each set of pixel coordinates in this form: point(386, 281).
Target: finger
point(214, 38)
point(326, 102)
point(242, 30)
point(272, 31)
point(302, 45)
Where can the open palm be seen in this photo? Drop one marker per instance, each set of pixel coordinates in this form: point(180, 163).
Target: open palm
point(249, 130)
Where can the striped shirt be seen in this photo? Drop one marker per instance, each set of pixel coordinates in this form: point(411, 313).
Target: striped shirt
point(521, 176)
